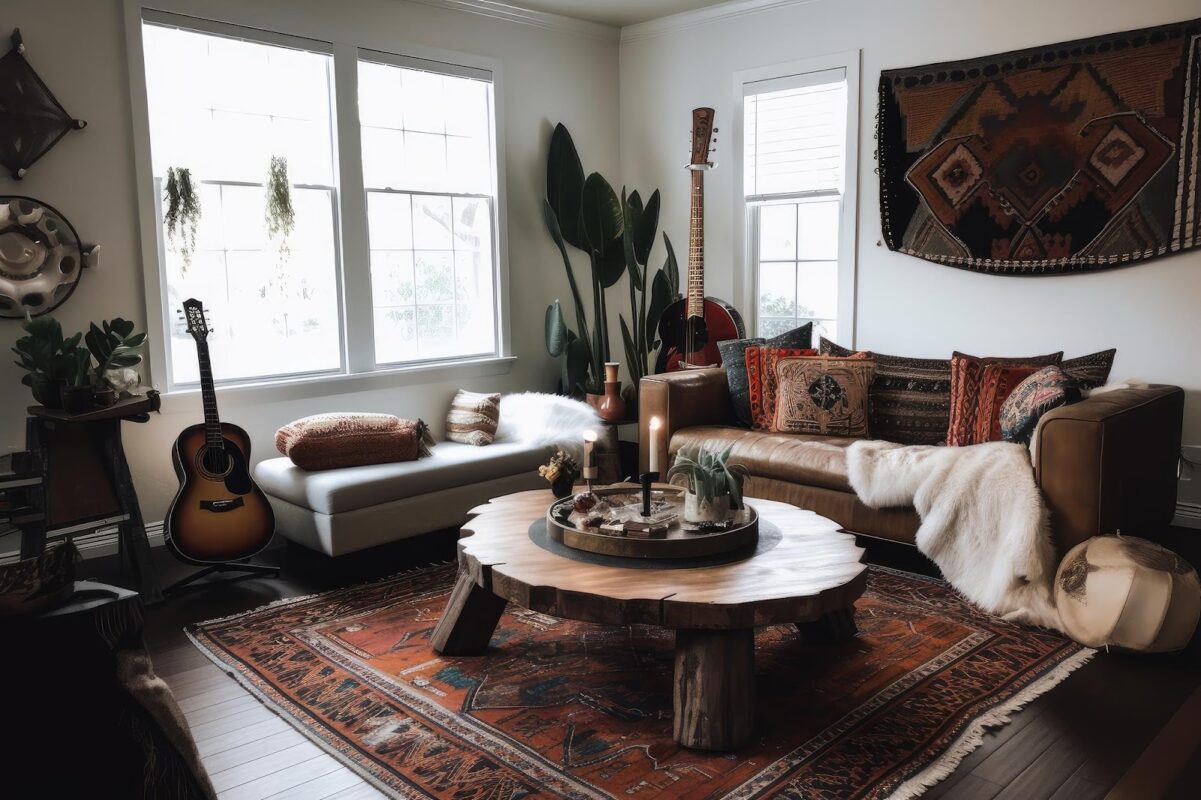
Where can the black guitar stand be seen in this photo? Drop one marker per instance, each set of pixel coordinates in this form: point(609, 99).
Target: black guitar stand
point(249, 570)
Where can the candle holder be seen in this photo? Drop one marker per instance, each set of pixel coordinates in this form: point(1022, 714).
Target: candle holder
point(646, 479)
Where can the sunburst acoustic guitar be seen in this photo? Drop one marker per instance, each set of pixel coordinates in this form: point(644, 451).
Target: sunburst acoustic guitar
point(219, 514)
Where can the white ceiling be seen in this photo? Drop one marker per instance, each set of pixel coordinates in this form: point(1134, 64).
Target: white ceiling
point(615, 12)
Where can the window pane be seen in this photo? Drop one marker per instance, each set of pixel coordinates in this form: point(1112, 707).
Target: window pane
point(222, 108)
point(818, 239)
point(774, 326)
point(795, 139)
point(817, 289)
point(427, 144)
point(777, 289)
point(778, 232)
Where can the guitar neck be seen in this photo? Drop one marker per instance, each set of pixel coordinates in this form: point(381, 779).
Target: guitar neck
point(696, 247)
point(212, 422)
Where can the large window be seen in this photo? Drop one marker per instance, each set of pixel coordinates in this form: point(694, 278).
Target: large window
point(794, 180)
point(404, 274)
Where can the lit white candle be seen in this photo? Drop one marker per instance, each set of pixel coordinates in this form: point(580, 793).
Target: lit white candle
point(656, 433)
point(589, 443)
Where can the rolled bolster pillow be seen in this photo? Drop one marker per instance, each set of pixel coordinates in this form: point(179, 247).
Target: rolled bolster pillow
point(333, 441)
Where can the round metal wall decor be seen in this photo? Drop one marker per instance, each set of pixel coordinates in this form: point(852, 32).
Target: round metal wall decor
point(41, 258)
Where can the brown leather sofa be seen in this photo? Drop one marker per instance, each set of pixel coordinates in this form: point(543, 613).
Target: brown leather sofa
point(1105, 463)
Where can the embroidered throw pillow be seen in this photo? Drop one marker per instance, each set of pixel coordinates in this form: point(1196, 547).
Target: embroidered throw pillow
point(1092, 370)
point(823, 395)
point(761, 381)
point(910, 398)
point(997, 382)
point(733, 358)
point(473, 418)
point(966, 375)
point(1050, 387)
point(333, 441)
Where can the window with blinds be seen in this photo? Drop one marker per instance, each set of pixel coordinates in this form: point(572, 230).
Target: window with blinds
point(795, 164)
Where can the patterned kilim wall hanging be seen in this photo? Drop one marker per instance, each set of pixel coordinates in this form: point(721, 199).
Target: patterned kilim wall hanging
point(1064, 158)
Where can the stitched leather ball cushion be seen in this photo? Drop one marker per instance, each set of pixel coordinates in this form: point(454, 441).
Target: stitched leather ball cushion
point(967, 373)
point(334, 441)
point(1048, 388)
point(473, 418)
point(823, 395)
point(733, 358)
point(761, 381)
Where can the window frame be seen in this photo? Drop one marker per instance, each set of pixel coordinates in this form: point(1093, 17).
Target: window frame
point(359, 371)
point(746, 240)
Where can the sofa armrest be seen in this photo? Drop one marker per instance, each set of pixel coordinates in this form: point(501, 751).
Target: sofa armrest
point(1109, 462)
point(680, 399)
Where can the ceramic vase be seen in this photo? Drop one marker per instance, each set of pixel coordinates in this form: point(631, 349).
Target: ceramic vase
point(707, 510)
point(613, 406)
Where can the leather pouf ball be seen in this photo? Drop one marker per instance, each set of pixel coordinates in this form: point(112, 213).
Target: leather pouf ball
point(1126, 592)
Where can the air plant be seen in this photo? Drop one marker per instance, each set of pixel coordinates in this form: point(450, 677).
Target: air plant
point(709, 474)
point(183, 212)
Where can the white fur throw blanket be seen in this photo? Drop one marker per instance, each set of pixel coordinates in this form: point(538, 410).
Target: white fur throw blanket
point(983, 519)
point(549, 420)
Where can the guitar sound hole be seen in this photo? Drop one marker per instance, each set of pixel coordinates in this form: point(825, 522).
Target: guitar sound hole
point(214, 461)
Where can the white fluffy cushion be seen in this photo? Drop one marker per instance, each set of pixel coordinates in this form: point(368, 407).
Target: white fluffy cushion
point(548, 420)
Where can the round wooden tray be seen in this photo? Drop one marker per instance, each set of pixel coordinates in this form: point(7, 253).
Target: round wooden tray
point(678, 542)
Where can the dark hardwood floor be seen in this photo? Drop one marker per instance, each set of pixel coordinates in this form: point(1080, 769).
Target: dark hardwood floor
point(1122, 726)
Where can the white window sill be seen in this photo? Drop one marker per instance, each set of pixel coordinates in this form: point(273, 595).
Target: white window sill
point(300, 388)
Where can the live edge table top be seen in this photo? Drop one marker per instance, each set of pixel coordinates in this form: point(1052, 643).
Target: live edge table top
point(815, 570)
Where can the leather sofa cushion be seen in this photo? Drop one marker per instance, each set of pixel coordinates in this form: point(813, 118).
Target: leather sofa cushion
point(449, 464)
point(794, 458)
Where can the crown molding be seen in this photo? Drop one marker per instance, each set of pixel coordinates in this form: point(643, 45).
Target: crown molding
point(524, 16)
point(702, 16)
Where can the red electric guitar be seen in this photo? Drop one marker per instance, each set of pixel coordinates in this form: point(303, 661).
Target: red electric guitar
point(690, 328)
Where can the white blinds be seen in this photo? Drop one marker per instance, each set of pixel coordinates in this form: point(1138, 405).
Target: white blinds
point(795, 134)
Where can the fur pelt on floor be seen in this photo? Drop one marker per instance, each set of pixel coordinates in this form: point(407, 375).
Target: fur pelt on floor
point(983, 519)
point(550, 420)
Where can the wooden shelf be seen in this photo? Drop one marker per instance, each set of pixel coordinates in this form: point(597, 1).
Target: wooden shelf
point(122, 409)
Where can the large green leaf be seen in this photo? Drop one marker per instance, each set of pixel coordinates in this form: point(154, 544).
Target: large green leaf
point(661, 297)
point(603, 220)
point(633, 359)
point(645, 228)
point(576, 365)
point(671, 266)
point(556, 330)
point(631, 210)
point(612, 265)
point(564, 185)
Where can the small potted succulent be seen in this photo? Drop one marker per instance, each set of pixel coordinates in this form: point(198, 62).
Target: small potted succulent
point(53, 363)
point(714, 492)
point(115, 347)
point(561, 472)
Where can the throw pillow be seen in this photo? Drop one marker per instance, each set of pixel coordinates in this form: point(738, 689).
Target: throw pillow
point(473, 418)
point(334, 441)
point(1050, 387)
point(1092, 370)
point(733, 358)
point(910, 398)
point(823, 395)
point(966, 374)
point(761, 381)
point(997, 382)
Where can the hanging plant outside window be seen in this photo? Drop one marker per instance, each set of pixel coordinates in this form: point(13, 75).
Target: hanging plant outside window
point(183, 213)
point(280, 215)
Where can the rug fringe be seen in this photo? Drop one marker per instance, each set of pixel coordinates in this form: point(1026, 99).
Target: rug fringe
point(973, 736)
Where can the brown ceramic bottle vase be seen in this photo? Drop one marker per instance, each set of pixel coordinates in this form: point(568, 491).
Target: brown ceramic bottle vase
point(612, 407)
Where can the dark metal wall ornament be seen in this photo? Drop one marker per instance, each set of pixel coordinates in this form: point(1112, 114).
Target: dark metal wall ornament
point(41, 258)
point(1070, 157)
point(31, 118)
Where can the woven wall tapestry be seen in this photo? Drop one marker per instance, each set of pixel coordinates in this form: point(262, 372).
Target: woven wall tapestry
point(1057, 159)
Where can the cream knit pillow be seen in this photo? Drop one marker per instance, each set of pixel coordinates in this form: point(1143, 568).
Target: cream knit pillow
point(473, 418)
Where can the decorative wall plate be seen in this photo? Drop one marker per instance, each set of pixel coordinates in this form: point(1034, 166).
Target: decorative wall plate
point(41, 258)
point(31, 118)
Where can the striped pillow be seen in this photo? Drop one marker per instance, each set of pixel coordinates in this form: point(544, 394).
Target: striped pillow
point(473, 418)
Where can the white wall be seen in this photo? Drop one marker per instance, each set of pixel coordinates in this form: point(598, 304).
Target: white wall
point(1151, 312)
point(78, 47)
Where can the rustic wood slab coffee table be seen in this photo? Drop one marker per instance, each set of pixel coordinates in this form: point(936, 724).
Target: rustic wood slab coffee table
point(811, 577)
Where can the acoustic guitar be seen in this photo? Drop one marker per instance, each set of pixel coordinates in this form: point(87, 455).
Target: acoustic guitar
point(219, 514)
point(690, 328)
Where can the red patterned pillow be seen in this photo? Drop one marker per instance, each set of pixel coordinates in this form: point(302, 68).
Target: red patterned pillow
point(997, 382)
point(966, 375)
point(761, 380)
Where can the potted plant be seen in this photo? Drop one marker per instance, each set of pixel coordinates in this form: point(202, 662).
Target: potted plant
point(561, 472)
point(52, 363)
point(114, 346)
point(714, 492)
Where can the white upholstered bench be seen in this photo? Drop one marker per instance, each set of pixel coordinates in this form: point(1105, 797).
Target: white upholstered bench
point(339, 511)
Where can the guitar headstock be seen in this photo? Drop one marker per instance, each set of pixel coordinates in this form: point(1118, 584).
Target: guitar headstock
point(193, 317)
point(703, 140)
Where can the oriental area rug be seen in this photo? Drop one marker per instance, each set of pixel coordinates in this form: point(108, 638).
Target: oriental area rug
point(1073, 156)
point(562, 709)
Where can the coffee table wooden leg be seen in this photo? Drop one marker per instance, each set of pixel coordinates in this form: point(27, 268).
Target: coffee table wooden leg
point(714, 692)
point(836, 626)
point(469, 619)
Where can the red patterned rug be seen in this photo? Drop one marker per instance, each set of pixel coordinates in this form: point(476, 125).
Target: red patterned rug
point(567, 709)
